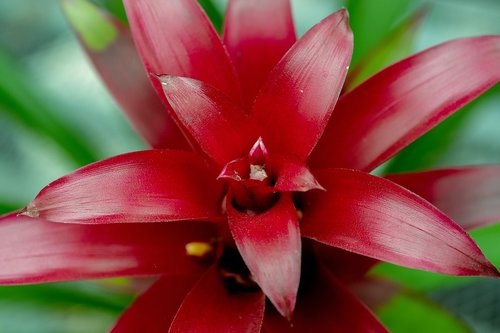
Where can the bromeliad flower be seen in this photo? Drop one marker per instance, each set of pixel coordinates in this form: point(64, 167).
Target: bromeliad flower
point(277, 173)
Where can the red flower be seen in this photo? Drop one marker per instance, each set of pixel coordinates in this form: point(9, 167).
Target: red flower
point(274, 161)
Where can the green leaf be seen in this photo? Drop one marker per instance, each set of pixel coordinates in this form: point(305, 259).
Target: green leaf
point(418, 280)
point(114, 7)
point(394, 47)
point(486, 238)
point(69, 307)
point(87, 294)
point(427, 150)
point(411, 313)
point(6, 207)
point(97, 32)
point(23, 101)
point(213, 13)
point(371, 21)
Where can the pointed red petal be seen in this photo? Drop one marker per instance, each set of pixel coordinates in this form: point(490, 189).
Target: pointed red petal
point(325, 305)
point(146, 186)
point(258, 153)
point(257, 34)
point(394, 107)
point(121, 69)
point(470, 195)
point(302, 89)
point(175, 37)
point(270, 245)
point(210, 308)
point(154, 310)
point(34, 250)
point(294, 176)
point(374, 217)
point(220, 128)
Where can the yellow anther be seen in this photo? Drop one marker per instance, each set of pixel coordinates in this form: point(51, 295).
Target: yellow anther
point(300, 214)
point(198, 249)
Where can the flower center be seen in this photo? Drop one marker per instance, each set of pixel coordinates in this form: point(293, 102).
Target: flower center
point(258, 172)
point(222, 252)
point(251, 180)
point(234, 273)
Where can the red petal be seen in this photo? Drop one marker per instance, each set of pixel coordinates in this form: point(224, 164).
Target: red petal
point(210, 308)
point(302, 89)
point(270, 245)
point(294, 176)
point(374, 217)
point(121, 70)
point(154, 310)
point(390, 110)
point(325, 305)
point(257, 34)
point(258, 154)
point(175, 37)
point(146, 186)
point(221, 129)
point(34, 250)
point(470, 196)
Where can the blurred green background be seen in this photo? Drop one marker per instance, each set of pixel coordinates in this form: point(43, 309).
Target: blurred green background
point(55, 115)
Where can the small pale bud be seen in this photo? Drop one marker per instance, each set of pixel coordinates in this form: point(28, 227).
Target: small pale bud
point(257, 172)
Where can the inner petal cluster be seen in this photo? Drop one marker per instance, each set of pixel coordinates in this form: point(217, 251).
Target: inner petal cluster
point(251, 180)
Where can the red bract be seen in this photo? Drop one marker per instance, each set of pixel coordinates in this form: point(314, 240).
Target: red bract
point(261, 175)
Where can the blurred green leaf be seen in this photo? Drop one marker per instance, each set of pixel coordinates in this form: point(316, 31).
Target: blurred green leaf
point(394, 47)
point(487, 239)
point(427, 150)
point(60, 295)
point(21, 318)
point(69, 307)
point(6, 207)
point(213, 13)
point(114, 7)
point(23, 102)
point(419, 280)
point(96, 32)
point(371, 20)
point(411, 313)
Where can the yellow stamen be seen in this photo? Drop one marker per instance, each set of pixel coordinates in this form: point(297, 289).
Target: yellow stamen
point(198, 249)
point(300, 214)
